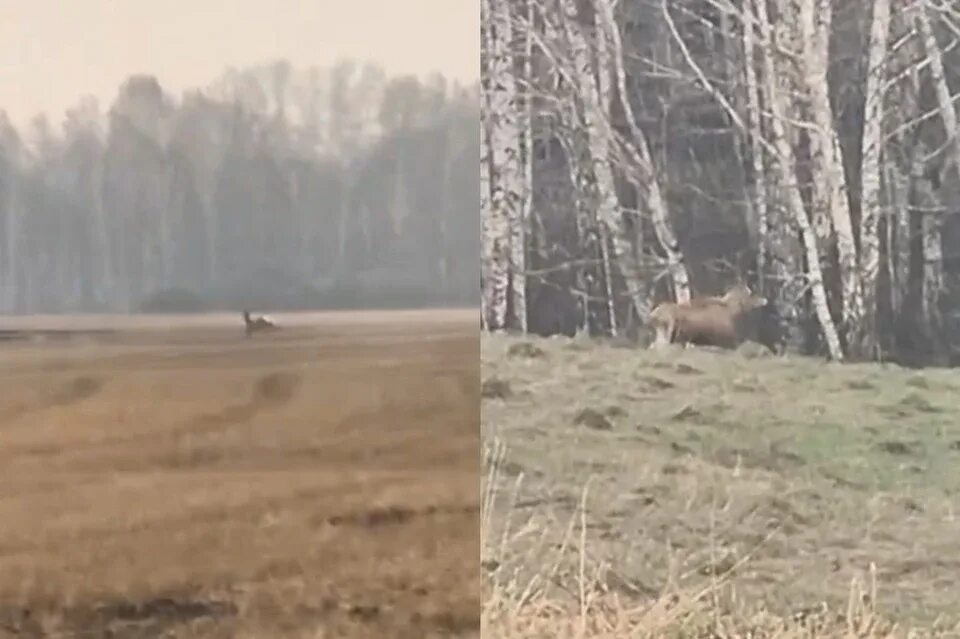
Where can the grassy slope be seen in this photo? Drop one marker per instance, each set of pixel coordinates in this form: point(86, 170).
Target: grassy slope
point(803, 475)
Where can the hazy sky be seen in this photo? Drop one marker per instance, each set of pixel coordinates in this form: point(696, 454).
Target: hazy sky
point(54, 51)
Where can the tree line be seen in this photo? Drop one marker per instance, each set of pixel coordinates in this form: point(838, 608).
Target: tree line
point(272, 187)
point(633, 152)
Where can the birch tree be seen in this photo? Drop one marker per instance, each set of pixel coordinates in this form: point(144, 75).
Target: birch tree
point(937, 75)
point(785, 162)
point(932, 242)
point(521, 222)
point(829, 186)
point(871, 174)
point(595, 91)
point(501, 140)
point(645, 179)
point(759, 191)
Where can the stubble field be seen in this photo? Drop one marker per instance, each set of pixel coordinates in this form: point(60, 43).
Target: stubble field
point(696, 493)
point(169, 477)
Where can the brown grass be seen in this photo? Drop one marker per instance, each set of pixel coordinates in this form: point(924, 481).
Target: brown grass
point(319, 481)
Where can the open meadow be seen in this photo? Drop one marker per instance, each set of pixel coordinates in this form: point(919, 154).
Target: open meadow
point(690, 493)
point(166, 476)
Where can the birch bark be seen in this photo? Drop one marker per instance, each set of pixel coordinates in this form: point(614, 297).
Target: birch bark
point(870, 174)
point(938, 77)
point(759, 191)
point(638, 150)
point(503, 163)
point(932, 242)
point(785, 165)
point(829, 188)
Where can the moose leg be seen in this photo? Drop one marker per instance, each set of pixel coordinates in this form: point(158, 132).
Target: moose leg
point(662, 337)
point(666, 331)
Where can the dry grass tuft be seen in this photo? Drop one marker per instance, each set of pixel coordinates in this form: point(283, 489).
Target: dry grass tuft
point(589, 600)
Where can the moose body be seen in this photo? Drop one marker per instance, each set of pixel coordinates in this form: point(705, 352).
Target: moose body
point(705, 321)
point(256, 324)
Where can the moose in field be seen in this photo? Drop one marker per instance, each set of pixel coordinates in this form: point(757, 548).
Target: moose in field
point(705, 321)
point(257, 324)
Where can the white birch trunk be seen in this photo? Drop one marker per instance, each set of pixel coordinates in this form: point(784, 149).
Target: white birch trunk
point(595, 94)
point(610, 212)
point(507, 170)
point(925, 202)
point(581, 178)
point(938, 77)
point(870, 174)
point(932, 244)
point(608, 279)
point(829, 182)
point(900, 185)
point(639, 151)
point(504, 163)
point(759, 192)
point(486, 216)
point(932, 271)
point(785, 163)
point(898, 189)
point(521, 223)
point(591, 80)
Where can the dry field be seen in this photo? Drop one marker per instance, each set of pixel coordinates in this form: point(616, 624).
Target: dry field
point(631, 493)
point(169, 477)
